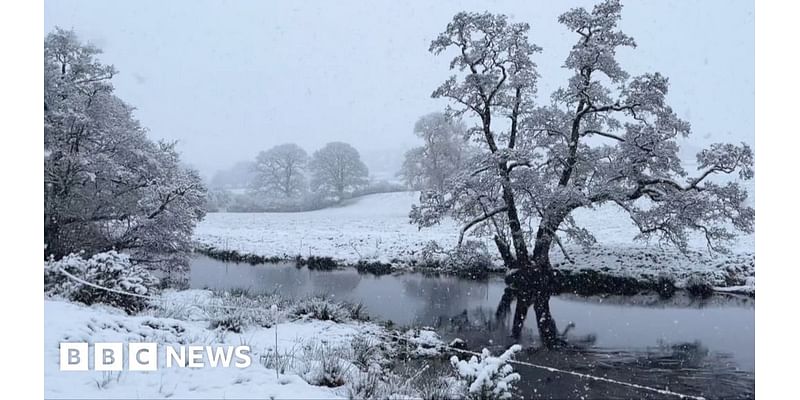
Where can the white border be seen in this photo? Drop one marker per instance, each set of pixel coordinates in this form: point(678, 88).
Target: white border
point(21, 199)
point(776, 204)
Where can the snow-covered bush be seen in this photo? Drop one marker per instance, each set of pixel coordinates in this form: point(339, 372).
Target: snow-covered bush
point(665, 285)
point(424, 342)
point(110, 270)
point(320, 308)
point(406, 383)
point(471, 259)
point(365, 351)
point(358, 311)
point(365, 386)
point(233, 311)
point(698, 286)
point(325, 365)
point(432, 255)
point(282, 361)
point(56, 283)
point(488, 377)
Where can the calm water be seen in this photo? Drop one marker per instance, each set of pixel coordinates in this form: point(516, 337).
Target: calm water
point(705, 347)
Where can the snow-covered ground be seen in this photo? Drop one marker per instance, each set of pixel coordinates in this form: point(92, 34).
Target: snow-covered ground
point(70, 322)
point(377, 227)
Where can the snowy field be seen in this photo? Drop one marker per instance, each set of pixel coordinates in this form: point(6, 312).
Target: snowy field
point(377, 227)
point(71, 322)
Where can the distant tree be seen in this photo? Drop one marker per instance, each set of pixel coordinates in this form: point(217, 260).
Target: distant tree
point(411, 172)
point(280, 171)
point(106, 185)
point(239, 176)
point(337, 170)
point(605, 138)
point(443, 154)
point(218, 200)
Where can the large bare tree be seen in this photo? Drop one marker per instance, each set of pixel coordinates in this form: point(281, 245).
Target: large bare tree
point(280, 171)
point(337, 170)
point(604, 138)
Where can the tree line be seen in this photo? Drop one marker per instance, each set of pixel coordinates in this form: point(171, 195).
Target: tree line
point(106, 184)
point(286, 178)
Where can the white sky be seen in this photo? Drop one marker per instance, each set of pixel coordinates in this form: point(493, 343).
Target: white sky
point(230, 78)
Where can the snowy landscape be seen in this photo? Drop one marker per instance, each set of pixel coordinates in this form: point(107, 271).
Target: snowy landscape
point(483, 204)
point(376, 227)
point(182, 318)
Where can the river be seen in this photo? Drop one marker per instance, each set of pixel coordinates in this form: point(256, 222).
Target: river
point(703, 347)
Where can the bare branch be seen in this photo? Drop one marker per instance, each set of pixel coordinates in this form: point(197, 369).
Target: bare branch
point(478, 220)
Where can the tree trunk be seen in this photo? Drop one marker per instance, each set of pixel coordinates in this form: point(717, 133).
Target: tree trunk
point(544, 320)
point(51, 238)
point(532, 287)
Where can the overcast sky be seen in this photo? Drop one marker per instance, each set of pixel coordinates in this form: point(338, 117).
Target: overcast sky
point(229, 78)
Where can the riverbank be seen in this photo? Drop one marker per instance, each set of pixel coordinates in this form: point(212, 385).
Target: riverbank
point(318, 335)
point(374, 232)
point(464, 308)
point(322, 350)
point(606, 273)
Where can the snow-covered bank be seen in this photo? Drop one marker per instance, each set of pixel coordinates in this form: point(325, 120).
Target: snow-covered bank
point(376, 227)
point(75, 323)
point(311, 352)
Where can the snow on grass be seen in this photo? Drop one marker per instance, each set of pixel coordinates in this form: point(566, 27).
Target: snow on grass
point(377, 227)
point(68, 322)
point(71, 323)
point(368, 227)
point(311, 353)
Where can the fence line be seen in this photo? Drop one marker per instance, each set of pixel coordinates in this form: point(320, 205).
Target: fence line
point(402, 338)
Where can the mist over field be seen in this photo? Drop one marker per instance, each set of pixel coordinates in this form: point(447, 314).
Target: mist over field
point(234, 79)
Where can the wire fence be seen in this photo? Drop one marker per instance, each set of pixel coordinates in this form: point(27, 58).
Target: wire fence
point(405, 338)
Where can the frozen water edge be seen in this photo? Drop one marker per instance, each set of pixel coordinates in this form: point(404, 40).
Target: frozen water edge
point(377, 227)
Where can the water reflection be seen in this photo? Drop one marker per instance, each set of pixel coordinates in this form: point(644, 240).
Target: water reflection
point(635, 325)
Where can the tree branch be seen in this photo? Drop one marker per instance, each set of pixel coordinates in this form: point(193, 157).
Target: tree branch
point(478, 220)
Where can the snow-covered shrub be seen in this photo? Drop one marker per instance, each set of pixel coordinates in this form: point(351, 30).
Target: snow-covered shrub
point(321, 263)
point(320, 308)
point(374, 267)
point(325, 365)
point(665, 286)
point(433, 383)
point(232, 311)
point(281, 361)
point(488, 377)
point(110, 270)
point(433, 387)
point(424, 342)
point(365, 351)
point(432, 255)
point(231, 323)
point(471, 260)
point(56, 283)
point(410, 382)
point(358, 311)
point(364, 387)
point(698, 286)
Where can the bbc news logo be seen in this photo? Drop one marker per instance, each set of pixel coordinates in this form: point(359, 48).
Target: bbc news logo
point(75, 356)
